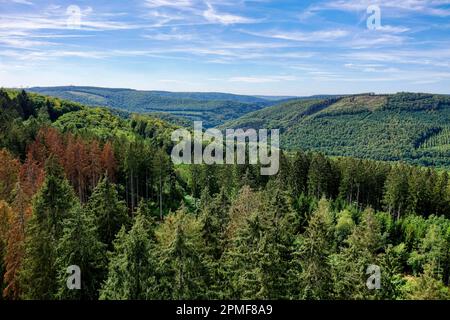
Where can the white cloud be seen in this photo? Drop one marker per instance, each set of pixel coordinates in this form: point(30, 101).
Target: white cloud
point(322, 35)
point(26, 2)
point(429, 7)
point(262, 79)
point(169, 3)
point(392, 29)
point(213, 16)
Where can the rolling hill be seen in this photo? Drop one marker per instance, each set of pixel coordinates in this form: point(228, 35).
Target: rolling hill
point(405, 126)
point(212, 108)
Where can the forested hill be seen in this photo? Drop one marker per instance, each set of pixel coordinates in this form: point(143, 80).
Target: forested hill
point(212, 108)
point(98, 191)
point(404, 126)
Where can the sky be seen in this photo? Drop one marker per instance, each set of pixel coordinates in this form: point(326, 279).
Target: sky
point(258, 47)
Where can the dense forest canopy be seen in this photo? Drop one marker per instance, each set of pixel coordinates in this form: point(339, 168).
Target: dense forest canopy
point(83, 186)
point(410, 127)
point(211, 108)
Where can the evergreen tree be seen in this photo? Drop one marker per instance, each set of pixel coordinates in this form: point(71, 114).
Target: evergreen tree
point(183, 267)
point(80, 246)
point(299, 174)
point(396, 190)
point(350, 264)
point(315, 246)
point(427, 286)
point(131, 269)
point(109, 211)
point(51, 207)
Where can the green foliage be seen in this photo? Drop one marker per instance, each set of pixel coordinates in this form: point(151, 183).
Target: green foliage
point(405, 126)
point(132, 264)
point(110, 212)
point(182, 271)
point(211, 108)
point(51, 207)
point(80, 246)
point(310, 232)
point(314, 248)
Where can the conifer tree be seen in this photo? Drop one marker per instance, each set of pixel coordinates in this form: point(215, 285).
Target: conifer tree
point(51, 207)
point(315, 246)
point(349, 266)
point(109, 211)
point(80, 246)
point(132, 264)
point(182, 268)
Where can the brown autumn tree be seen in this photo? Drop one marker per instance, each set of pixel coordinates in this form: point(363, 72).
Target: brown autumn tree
point(9, 171)
point(95, 164)
point(108, 161)
point(5, 223)
point(31, 176)
point(76, 166)
point(15, 244)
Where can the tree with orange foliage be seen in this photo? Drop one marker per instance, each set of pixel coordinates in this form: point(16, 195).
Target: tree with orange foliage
point(31, 176)
point(9, 171)
point(108, 161)
point(77, 166)
point(53, 140)
point(95, 164)
point(15, 244)
point(5, 223)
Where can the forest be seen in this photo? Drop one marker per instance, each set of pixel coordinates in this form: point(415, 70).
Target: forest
point(411, 127)
point(85, 186)
point(211, 108)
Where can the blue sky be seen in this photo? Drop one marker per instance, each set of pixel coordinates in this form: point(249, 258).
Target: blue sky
point(287, 47)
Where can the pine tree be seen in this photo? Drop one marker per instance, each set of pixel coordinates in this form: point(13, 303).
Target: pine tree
point(258, 254)
point(109, 211)
point(314, 248)
point(299, 175)
point(427, 286)
point(350, 264)
point(214, 219)
point(51, 207)
point(183, 269)
point(79, 245)
point(396, 190)
point(321, 177)
point(132, 264)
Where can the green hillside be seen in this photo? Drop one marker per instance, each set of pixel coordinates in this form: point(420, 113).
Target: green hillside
point(404, 126)
point(211, 108)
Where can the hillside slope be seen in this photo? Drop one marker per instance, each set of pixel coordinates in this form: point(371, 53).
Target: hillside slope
point(405, 126)
point(212, 108)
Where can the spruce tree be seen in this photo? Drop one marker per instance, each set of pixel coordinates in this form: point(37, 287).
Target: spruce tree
point(182, 269)
point(131, 269)
point(315, 246)
point(110, 212)
point(51, 207)
point(349, 266)
point(80, 246)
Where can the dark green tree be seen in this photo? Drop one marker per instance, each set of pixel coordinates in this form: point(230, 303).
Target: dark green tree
point(51, 207)
point(80, 246)
point(131, 269)
point(110, 212)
